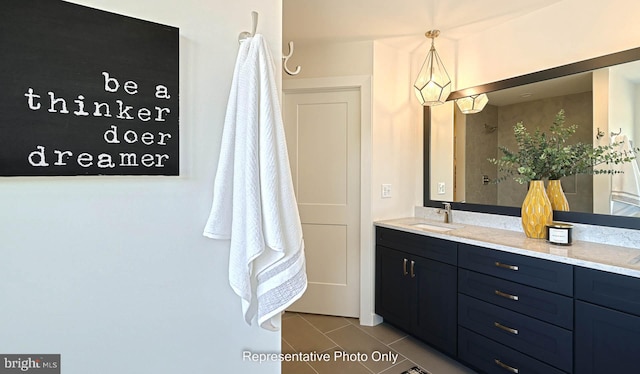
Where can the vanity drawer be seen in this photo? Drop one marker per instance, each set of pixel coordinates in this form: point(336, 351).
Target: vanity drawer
point(614, 291)
point(547, 275)
point(543, 305)
point(494, 358)
point(540, 340)
point(419, 245)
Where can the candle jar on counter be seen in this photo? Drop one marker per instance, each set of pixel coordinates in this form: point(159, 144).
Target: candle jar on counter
point(559, 233)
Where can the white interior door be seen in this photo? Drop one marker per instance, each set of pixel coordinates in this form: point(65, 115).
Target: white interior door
point(323, 139)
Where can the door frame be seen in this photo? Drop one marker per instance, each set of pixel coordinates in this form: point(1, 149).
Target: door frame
point(367, 254)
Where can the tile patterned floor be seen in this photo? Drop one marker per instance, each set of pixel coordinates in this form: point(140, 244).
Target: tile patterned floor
point(347, 343)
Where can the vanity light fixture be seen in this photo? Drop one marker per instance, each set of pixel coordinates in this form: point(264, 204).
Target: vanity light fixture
point(433, 84)
point(472, 104)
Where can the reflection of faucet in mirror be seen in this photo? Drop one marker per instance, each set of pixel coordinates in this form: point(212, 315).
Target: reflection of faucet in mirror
point(616, 133)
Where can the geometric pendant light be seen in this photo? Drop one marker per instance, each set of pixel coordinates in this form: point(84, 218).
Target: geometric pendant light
point(433, 85)
point(472, 104)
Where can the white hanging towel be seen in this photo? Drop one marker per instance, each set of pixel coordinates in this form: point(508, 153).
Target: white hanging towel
point(254, 205)
point(625, 186)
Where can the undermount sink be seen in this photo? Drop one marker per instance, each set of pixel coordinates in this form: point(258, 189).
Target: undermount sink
point(443, 227)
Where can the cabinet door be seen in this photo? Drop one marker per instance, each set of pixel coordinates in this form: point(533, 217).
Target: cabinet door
point(394, 287)
point(436, 302)
point(606, 340)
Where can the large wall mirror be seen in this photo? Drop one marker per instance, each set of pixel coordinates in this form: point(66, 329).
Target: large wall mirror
point(600, 95)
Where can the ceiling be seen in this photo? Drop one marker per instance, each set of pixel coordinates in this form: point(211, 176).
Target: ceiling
point(309, 21)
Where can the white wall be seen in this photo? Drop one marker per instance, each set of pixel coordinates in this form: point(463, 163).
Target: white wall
point(330, 59)
point(113, 272)
point(562, 33)
point(396, 140)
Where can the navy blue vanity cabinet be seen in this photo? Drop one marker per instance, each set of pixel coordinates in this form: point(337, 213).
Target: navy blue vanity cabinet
point(416, 285)
point(515, 313)
point(607, 328)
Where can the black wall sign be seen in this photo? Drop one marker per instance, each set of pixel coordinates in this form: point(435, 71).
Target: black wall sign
point(86, 92)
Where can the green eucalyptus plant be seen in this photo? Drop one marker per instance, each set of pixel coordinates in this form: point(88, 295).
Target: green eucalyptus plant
point(549, 156)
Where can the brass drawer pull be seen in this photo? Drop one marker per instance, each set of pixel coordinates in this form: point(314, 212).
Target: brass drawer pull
point(413, 274)
point(506, 295)
point(505, 266)
point(404, 267)
point(505, 366)
point(505, 328)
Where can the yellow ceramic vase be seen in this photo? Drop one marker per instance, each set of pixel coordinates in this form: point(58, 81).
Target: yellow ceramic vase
point(556, 196)
point(536, 211)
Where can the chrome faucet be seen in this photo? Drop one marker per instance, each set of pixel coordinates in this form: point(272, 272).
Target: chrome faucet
point(446, 212)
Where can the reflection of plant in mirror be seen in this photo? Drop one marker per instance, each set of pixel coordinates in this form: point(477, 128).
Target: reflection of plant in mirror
point(542, 155)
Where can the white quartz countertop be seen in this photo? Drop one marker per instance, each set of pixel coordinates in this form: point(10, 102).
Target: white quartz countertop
point(614, 259)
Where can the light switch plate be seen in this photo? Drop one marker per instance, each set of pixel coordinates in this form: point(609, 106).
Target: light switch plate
point(386, 191)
